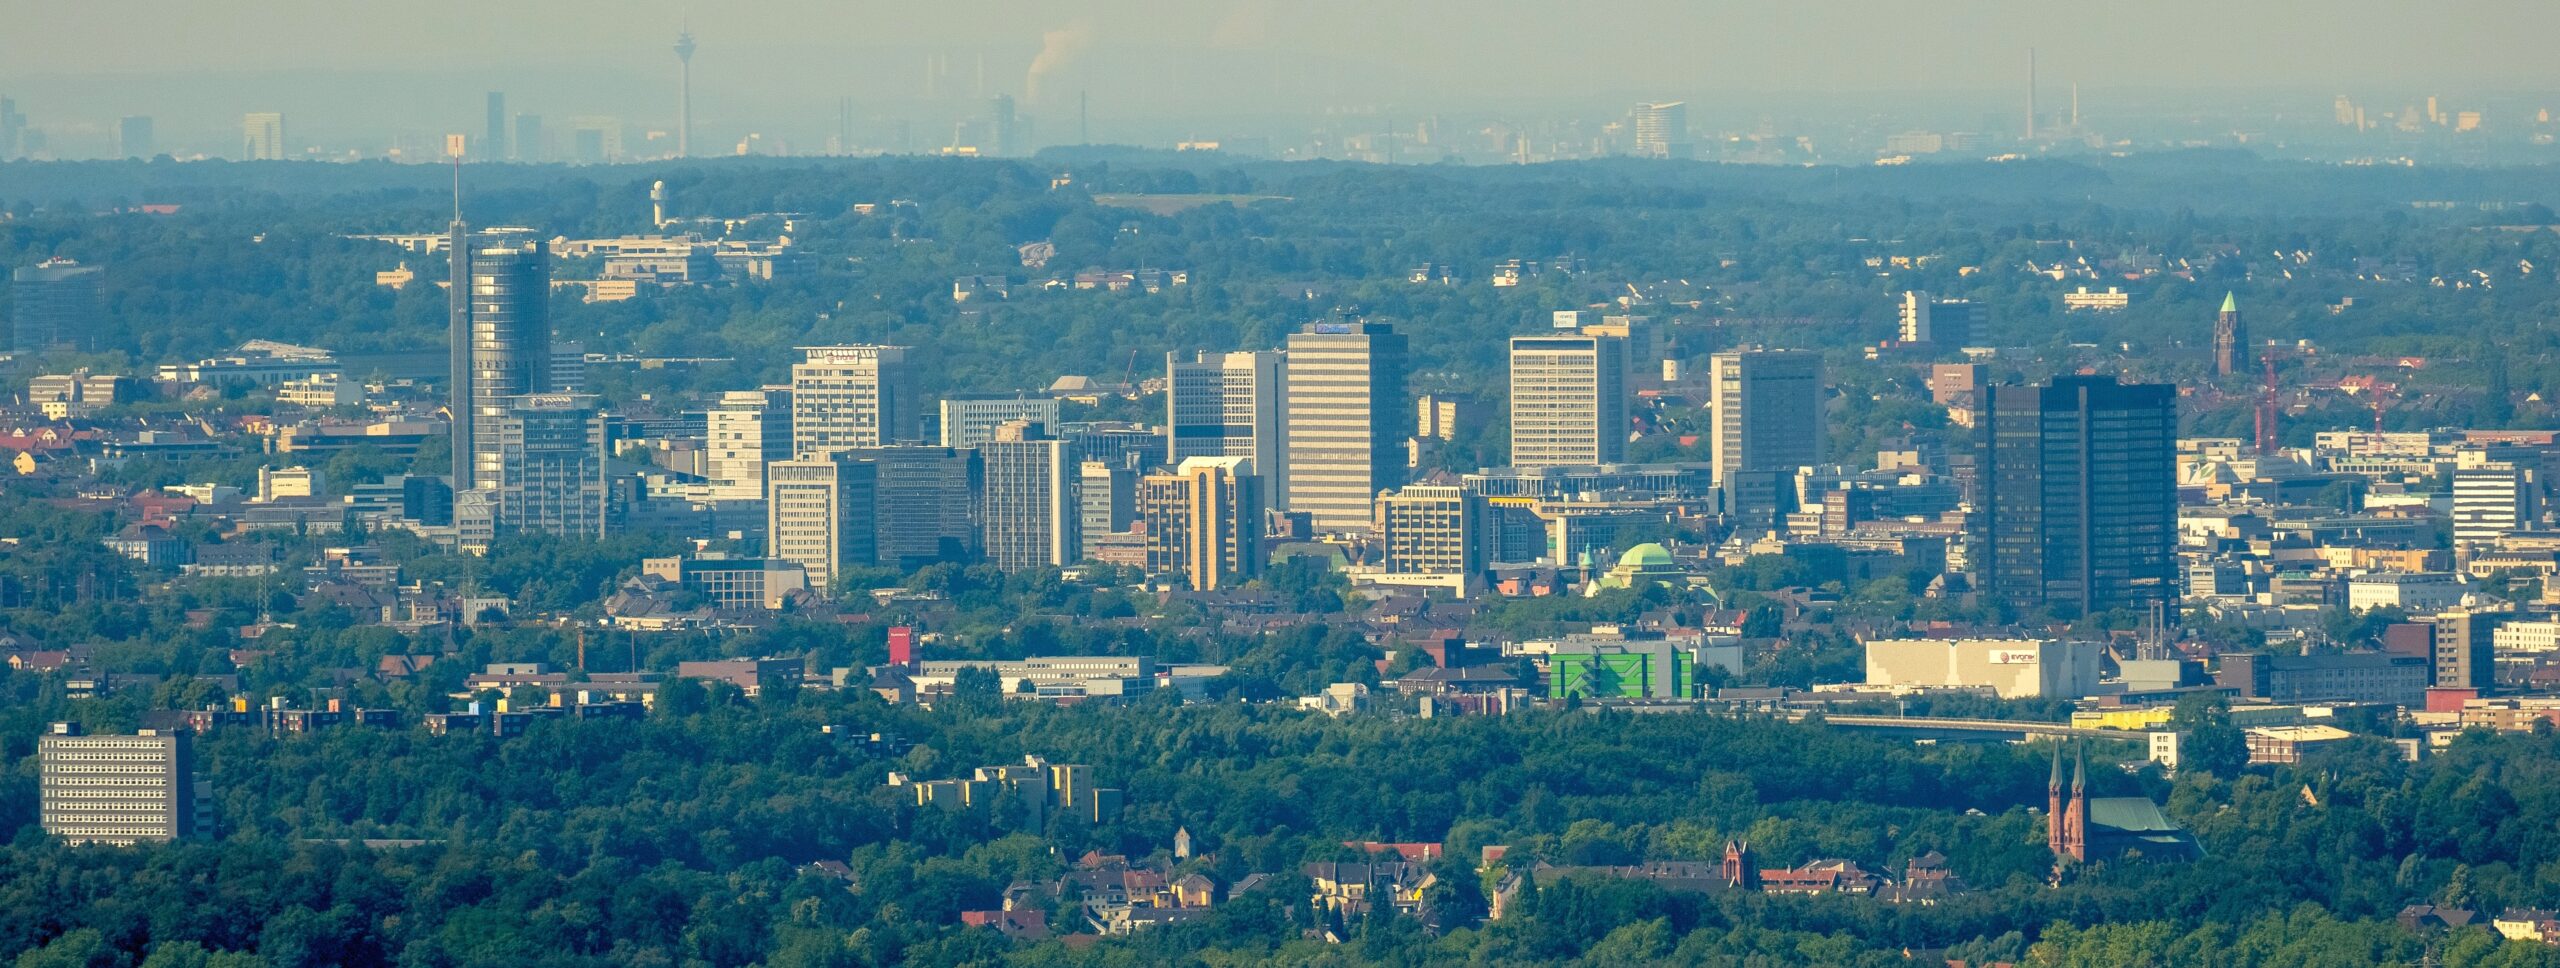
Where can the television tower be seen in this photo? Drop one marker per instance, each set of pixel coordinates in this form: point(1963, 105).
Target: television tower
point(684, 95)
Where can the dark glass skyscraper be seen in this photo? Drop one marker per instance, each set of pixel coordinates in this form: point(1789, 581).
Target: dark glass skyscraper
point(500, 330)
point(2077, 502)
point(55, 303)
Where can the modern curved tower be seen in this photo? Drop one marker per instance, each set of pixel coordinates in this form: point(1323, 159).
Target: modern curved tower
point(684, 95)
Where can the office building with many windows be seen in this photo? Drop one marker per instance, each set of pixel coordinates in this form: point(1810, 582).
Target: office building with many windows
point(2077, 495)
point(120, 790)
point(844, 397)
point(1342, 420)
point(1568, 400)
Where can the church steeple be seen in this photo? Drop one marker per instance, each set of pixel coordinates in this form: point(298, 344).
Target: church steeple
point(2230, 338)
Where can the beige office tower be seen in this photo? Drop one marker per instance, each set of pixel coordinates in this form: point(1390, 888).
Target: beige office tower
point(1568, 400)
point(1768, 422)
point(749, 430)
point(844, 397)
point(1342, 421)
point(1204, 522)
point(820, 514)
point(1029, 509)
point(119, 790)
point(1432, 529)
point(1224, 405)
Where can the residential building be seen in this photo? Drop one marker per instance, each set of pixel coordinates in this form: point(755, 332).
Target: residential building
point(1568, 400)
point(1342, 421)
point(1941, 322)
point(819, 515)
point(550, 466)
point(1225, 405)
point(2465, 647)
point(1029, 511)
point(2013, 668)
point(119, 790)
point(2112, 300)
point(1768, 421)
point(968, 421)
point(2076, 497)
point(54, 303)
point(746, 432)
point(1204, 522)
point(845, 397)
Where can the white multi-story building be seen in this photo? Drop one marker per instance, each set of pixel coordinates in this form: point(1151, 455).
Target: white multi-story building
point(972, 420)
point(119, 789)
point(748, 431)
point(1029, 509)
point(2491, 500)
point(1342, 420)
point(1568, 400)
point(1224, 405)
point(844, 397)
point(819, 515)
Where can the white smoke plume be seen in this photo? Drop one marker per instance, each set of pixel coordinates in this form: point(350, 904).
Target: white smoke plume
point(1057, 47)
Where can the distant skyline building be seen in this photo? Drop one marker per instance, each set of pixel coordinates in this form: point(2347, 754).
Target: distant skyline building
point(1342, 420)
point(551, 457)
point(845, 397)
point(1769, 421)
point(1662, 129)
point(54, 303)
point(684, 94)
point(262, 136)
point(2077, 495)
point(2230, 338)
point(527, 144)
point(13, 127)
point(500, 330)
point(820, 514)
point(495, 146)
point(122, 790)
point(926, 503)
point(1946, 323)
point(1568, 400)
point(1028, 509)
point(133, 137)
point(1225, 405)
point(1204, 522)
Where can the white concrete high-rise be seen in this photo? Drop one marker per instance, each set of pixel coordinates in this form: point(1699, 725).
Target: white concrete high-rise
point(1568, 400)
point(1343, 408)
point(843, 397)
point(1029, 509)
point(747, 431)
point(820, 514)
point(967, 421)
point(120, 790)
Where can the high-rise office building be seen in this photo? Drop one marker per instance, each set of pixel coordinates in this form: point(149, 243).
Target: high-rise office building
point(527, 144)
point(2077, 499)
point(1940, 322)
point(748, 431)
point(2230, 338)
point(820, 515)
point(1432, 529)
point(1662, 129)
point(550, 466)
point(926, 503)
point(1768, 421)
point(1107, 503)
point(1640, 339)
point(2491, 500)
point(1342, 420)
point(2465, 647)
point(12, 127)
point(133, 137)
point(1204, 522)
point(1224, 405)
point(1568, 400)
point(496, 146)
point(853, 396)
point(1003, 127)
point(967, 421)
point(119, 790)
point(500, 333)
point(1029, 511)
point(54, 303)
point(262, 136)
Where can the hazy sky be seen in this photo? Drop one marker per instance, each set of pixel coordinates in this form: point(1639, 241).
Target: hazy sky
point(1140, 57)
